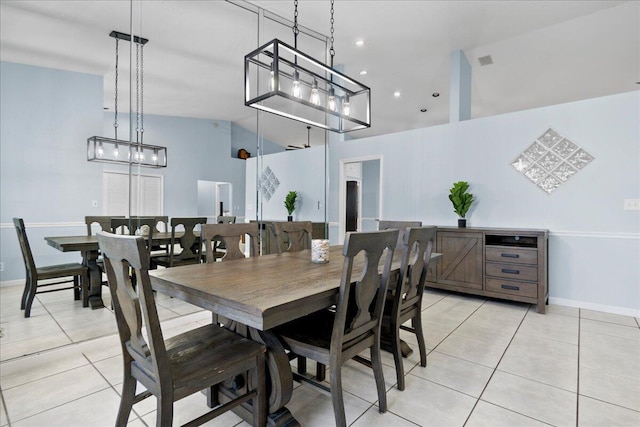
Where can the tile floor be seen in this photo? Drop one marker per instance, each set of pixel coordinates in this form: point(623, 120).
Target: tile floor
point(489, 364)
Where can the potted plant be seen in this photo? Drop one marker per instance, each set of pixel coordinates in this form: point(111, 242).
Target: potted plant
point(290, 204)
point(461, 200)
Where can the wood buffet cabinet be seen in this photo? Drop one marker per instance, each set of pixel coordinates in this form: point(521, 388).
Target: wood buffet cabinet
point(505, 263)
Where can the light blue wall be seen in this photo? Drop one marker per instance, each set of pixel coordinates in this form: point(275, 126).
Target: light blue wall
point(243, 138)
point(594, 244)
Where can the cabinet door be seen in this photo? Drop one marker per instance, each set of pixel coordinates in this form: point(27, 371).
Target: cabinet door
point(461, 263)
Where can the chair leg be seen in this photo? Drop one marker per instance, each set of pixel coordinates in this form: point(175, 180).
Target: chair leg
point(376, 364)
point(321, 372)
point(336, 395)
point(417, 327)
point(397, 355)
point(23, 301)
point(126, 401)
point(76, 288)
point(85, 289)
point(31, 293)
point(260, 401)
point(302, 365)
point(164, 410)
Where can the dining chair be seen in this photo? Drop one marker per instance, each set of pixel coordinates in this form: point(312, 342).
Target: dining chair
point(135, 226)
point(292, 236)
point(399, 225)
point(226, 219)
point(78, 273)
point(333, 337)
point(103, 221)
point(231, 235)
point(188, 241)
point(404, 301)
point(171, 369)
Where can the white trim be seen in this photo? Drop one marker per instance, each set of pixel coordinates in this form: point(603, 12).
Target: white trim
point(596, 307)
point(45, 224)
point(595, 234)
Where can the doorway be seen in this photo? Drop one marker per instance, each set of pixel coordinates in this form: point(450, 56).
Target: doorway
point(214, 199)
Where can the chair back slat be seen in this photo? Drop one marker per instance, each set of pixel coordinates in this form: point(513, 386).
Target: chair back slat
point(124, 256)
point(297, 233)
point(226, 219)
point(133, 226)
point(188, 241)
point(231, 235)
point(361, 299)
point(103, 221)
point(25, 248)
point(400, 225)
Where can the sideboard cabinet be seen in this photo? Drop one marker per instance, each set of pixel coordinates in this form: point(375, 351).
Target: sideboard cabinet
point(506, 263)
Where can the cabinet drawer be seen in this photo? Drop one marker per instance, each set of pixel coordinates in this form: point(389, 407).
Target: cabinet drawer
point(512, 271)
point(512, 287)
point(507, 254)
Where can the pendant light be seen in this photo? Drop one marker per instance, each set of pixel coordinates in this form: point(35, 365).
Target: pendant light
point(108, 150)
point(283, 80)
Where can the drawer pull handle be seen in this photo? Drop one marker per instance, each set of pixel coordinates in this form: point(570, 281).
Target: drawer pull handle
point(509, 271)
point(513, 288)
point(510, 255)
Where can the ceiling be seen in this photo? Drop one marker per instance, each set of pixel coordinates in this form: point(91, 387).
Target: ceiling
point(544, 53)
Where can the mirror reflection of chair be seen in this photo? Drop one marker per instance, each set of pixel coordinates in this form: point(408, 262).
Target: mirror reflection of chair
point(404, 301)
point(334, 337)
point(188, 241)
point(292, 236)
point(399, 225)
point(171, 369)
point(231, 235)
point(78, 273)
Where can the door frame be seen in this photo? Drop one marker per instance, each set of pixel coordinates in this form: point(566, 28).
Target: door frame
point(342, 193)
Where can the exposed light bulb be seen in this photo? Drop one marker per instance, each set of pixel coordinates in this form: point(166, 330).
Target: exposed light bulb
point(346, 107)
point(155, 156)
point(315, 94)
point(100, 151)
point(296, 90)
point(272, 78)
point(116, 152)
point(332, 100)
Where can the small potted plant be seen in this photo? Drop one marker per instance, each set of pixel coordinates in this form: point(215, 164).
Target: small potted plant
point(461, 200)
point(290, 204)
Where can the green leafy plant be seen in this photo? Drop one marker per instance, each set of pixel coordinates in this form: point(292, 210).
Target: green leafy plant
point(460, 198)
point(290, 202)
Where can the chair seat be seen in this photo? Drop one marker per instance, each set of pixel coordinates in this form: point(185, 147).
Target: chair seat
point(60, 270)
point(165, 261)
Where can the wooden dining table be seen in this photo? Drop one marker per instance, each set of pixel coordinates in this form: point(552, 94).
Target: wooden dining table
point(262, 292)
point(88, 248)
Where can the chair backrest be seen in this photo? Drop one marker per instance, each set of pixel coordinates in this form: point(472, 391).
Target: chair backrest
point(162, 223)
point(103, 221)
point(134, 307)
point(298, 235)
point(417, 247)
point(225, 219)
point(231, 235)
point(188, 241)
point(400, 225)
point(133, 225)
point(362, 294)
point(27, 256)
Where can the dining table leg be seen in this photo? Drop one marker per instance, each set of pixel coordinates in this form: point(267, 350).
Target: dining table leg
point(90, 260)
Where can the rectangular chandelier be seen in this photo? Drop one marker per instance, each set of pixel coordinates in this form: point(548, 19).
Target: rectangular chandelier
point(282, 80)
point(107, 150)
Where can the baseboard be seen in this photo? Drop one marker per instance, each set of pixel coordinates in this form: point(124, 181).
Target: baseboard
point(596, 307)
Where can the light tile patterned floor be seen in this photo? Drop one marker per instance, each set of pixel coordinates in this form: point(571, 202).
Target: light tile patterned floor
point(489, 364)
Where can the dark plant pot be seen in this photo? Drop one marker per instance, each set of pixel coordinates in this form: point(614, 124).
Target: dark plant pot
point(462, 223)
point(290, 218)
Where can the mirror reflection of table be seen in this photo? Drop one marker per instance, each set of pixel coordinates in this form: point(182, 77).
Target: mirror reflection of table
point(261, 293)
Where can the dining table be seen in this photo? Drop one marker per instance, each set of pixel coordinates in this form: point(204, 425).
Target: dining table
point(90, 251)
point(260, 293)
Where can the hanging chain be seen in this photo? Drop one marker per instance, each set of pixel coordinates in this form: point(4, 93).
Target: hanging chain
point(141, 92)
point(115, 123)
point(332, 51)
point(295, 24)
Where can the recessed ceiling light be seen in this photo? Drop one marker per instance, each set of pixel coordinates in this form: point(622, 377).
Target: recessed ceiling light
point(363, 72)
point(359, 43)
point(435, 94)
point(423, 110)
point(396, 94)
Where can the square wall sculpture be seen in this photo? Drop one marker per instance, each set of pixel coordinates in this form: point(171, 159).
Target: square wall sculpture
point(551, 160)
point(268, 183)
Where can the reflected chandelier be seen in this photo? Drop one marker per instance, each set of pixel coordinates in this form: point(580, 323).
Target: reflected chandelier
point(284, 81)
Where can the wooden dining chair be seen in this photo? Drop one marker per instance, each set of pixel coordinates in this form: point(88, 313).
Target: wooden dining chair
point(226, 219)
point(104, 222)
point(75, 273)
point(399, 225)
point(231, 235)
point(404, 301)
point(188, 241)
point(199, 359)
point(332, 337)
point(292, 236)
point(134, 226)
